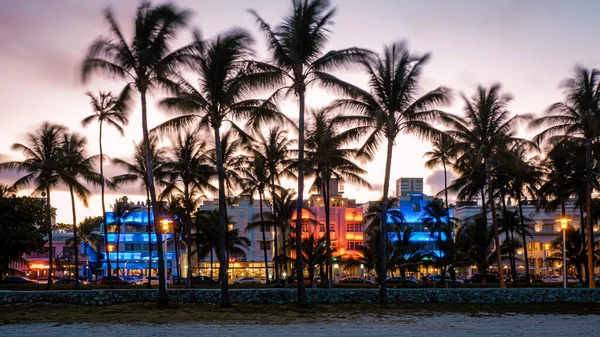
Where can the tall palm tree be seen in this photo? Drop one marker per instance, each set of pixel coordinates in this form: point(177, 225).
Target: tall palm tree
point(136, 172)
point(78, 166)
point(274, 147)
point(114, 111)
point(255, 179)
point(189, 173)
point(393, 107)
point(297, 61)
point(225, 80)
point(121, 211)
point(487, 130)
point(578, 118)
point(146, 63)
point(44, 169)
point(328, 157)
point(443, 153)
point(437, 220)
point(88, 232)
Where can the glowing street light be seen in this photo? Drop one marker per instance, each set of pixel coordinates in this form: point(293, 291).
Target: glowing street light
point(564, 225)
point(165, 229)
point(546, 248)
point(110, 248)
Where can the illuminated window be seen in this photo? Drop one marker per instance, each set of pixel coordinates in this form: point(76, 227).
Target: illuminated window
point(354, 227)
point(353, 245)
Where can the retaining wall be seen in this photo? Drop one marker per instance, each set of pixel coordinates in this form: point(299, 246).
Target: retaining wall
point(316, 296)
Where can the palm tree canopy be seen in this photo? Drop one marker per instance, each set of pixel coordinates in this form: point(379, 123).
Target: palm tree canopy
point(137, 171)
point(112, 110)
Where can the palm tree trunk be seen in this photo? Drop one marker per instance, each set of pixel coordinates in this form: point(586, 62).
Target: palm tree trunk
point(75, 238)
point(383, 224)
point(188, 233)
point(488, 174)
point(583, 248)
point(510, 241)
point(262, 219)
point(301, 90)
point(446, 190)
point(211, 264)
point(50, 247)
point(102, 186)
point(149, 285)
point(588, 213)
point(222, 224)
point(162, 284)
point(524, 239)
point(325, 189)
point(276, 252)
point(118, 244)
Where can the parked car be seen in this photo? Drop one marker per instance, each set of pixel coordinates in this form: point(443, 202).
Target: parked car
point(114, 279)
point(355, 279)
point(398, 280)
point(559, 279)
point(247, 280)
point(43, 280)
point(489, 278)
point(17, 279)
point(522, 278)
point(154, 280)
point(132, 279)
point(437, 278)
point(68, 281)
point(203, 280)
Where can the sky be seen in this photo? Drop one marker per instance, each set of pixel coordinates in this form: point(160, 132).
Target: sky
point(528, 46)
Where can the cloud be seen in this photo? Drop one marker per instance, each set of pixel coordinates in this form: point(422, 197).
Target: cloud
point(435, 181)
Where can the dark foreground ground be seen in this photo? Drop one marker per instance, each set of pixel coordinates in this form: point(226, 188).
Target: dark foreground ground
point(327, 320)
point(175, 313)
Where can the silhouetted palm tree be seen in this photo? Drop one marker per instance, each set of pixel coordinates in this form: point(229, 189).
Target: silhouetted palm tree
point(78, 166)
point(189, 174)
point(44, 168)
point(443, 153)
point(88, 232)
point(578, 118)
point(275, 149)
point(121, 211)
point(393, 107)
point(136, 172)
point(114, 111)
point(298, 60)
point(146, 63)
point(328, 157)
point(225, 81)
point(487, 130)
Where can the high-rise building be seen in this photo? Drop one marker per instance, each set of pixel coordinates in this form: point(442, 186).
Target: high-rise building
point(408, 186)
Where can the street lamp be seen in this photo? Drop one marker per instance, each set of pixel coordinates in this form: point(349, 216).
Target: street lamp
point(564, 225)
point(165, 229)
point(109, 248)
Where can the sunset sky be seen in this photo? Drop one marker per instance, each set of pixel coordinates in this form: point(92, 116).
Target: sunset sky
point(528, 46)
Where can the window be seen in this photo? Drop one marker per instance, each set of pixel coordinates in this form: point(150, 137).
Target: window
point(268, 228)
point(353, 245)
point(533, 246)
point(416, 207)
point(265, 244)
point(322, 227)
point(354, 227)
point(332, 227)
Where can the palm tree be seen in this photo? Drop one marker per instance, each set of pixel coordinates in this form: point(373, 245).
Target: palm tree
point(113, 111)
point(44, 167)
point(326, 158)
point(77, 167)
point(275, 149)
point(88, 234)
point(391, 108)
point(574, 250)
point(136, 172)
point(255, 179)
point(443, 153)
point(146, 63)
point(487, 130)
point(121, 211)
point(225, 80)
point(189, 173)
point(437, 220)
point(297, 61)
point(578, 118)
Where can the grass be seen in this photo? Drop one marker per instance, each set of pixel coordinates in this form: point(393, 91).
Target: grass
point(263, 314)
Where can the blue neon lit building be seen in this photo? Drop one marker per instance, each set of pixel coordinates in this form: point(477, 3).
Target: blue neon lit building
point(133, 244)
